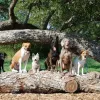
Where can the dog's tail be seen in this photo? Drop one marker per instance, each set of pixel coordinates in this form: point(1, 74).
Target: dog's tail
point(12, 64)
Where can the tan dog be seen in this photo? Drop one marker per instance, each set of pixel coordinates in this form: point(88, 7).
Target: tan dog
point(21, 56)
point(65, 61)
point(79, 63)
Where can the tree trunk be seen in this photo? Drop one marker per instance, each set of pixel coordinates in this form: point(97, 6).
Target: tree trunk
point(45, 36)
point(48, 82)
point(42, 82)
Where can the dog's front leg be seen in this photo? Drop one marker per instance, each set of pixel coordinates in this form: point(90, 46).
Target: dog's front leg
point(20, 64)
point(51, 64)
point(24, 70)
point(70, 69)
point(38, 69)
point(82, 71)
point(78, 70)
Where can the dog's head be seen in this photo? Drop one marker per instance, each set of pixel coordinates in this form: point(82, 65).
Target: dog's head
point(65, 43)
point(35, 58)
point(84, 54)
point(26, 46)
point(55, 43)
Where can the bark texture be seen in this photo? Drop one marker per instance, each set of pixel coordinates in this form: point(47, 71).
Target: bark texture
point(48, 82)
point(42, 82)
point(45, 36)
point(89, 82)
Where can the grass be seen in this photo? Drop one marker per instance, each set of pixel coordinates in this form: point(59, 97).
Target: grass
point(91, 65)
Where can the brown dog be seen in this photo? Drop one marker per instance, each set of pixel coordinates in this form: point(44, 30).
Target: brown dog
point(65, 61)
point(53, 55)
point(21, 56)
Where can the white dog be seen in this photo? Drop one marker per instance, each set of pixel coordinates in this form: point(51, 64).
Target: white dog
point(21, 56)
point(35, 63)
point(79, 63)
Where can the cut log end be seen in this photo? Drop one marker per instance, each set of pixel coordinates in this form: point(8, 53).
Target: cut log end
point(71, 86)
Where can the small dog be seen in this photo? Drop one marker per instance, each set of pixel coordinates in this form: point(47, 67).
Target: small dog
point(21, 56)
point(2, 58)
point(53, 55)
point(35, 63)
point(65, 61)
point(79, 63)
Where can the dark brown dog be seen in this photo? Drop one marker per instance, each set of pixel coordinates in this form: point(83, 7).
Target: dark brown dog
point(53, 55)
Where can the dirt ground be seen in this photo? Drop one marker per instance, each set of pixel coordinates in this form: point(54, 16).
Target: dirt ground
point(55, 96)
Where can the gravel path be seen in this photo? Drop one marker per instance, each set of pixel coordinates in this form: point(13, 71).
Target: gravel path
point(55, 96)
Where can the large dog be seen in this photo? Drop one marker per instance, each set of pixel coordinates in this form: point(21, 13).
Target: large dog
point(79, 63)
point(2, 58)
point(65, 61)
point(53, 55)
point(21, 56)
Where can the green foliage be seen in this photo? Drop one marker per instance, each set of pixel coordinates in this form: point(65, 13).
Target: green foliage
point(4, 5)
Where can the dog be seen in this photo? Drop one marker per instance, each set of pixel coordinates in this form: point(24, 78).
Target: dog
point(65, 59)
point(2, 58)
point(35, 63)
point(53, 55)
point(20, 57)
point(79, 63)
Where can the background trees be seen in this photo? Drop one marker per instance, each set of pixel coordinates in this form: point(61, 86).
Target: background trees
point(75, 17)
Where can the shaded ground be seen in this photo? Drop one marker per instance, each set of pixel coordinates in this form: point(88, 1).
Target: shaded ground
point(56, 96)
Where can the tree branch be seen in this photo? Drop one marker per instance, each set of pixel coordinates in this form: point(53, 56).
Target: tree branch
point(66, 24)
point(48, 19)
point(11, 11)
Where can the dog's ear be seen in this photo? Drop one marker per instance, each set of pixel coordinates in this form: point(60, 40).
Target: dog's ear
point(33, 54)
point(37, 54)
point(82, 51)
point(23, 44)
point(62, 42)
point(87, 52)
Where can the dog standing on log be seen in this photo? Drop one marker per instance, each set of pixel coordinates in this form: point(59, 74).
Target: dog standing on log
point(53, 55)
point(21, 56)
point(2, 57)
point(79, 63)
point(65, 61)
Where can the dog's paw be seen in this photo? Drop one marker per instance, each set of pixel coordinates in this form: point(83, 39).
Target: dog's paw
point(24, 71)
point(77, 75)
point(13, 70)
point(83, 74)
point(20, 71)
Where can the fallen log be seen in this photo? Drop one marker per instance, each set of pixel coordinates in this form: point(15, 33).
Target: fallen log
point(42, 82)
point(48, 82)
